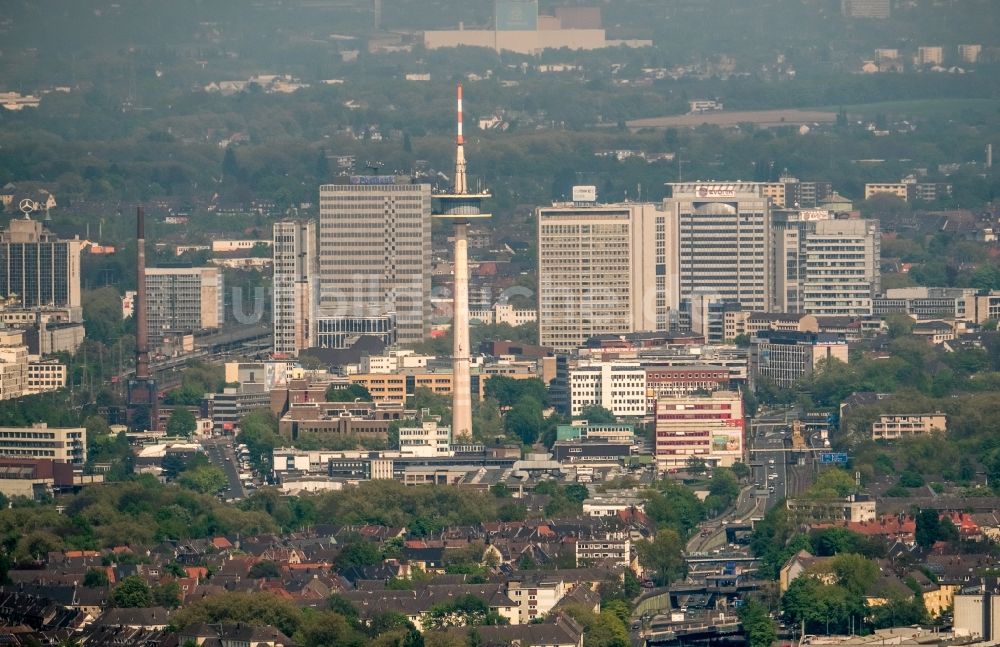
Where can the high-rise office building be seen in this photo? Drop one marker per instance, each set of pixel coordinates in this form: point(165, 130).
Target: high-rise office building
point(792, 192)
point(788, 271)
point(842, 267)
point(182, 300)
point(723, 234)
point(603, 269)
point(294, 272)
point(37, 268)
point(823, 266)
point(375, 253)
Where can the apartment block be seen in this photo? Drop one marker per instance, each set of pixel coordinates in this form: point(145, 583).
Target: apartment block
point(13, 366)
point(930, 55)
point(710, 428)
point(609, 550)
point(790, 192)
point(896, 426)
point(910, 190)
point(970, 53)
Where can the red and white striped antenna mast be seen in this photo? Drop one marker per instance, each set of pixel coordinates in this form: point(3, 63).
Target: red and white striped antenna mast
point(461, 186)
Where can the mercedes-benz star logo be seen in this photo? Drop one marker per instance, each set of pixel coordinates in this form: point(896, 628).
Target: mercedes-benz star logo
point(27, 205)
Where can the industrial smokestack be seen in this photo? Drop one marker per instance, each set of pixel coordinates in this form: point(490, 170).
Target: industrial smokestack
point(141, 333)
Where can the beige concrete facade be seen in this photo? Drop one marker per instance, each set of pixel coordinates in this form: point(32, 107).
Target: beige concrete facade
point(295, 270)
point(723, 232)
point(709, 428)
point(603, 269)
point(895, 426)
point(41, 441)
point(522, 42)
point(183, 299)
point(842, 267)
point(375, 253)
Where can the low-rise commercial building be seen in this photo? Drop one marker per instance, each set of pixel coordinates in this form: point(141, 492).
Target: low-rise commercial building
point(619, 388)
point(591, 452)
point(784, 358)
point(45, 375)
point(582, 430)
point(226, 409)
point(504, 313)
point(429, 439)
point(64, 444)
point(709, 428)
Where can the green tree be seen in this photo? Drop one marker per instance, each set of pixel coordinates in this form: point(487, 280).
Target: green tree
point(181, 423)
point(361, 553)
point(167, 595)
point(259, 431)
point(757, 624)
point(663, 555)
point(898, 325)
point(741, 470)
point(464, 611)
point(524, 420)
point(927, 528)
point(854, 573)
point(604, 629)
point(265, 569)
point(206, 479)
point(132, 592)
point(595, 414)
point(95, 578)
point(507, 391)
point(327, 628)
point(256, 608)
point(349, 393)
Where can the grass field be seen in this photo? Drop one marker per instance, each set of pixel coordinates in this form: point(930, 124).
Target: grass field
point(968, 110)
point(925, 108)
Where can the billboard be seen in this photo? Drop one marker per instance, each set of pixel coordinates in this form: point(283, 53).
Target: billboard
point(373, 179)
point(726, 443)
point(516, 15)
point(715, 191)
point(585, 193)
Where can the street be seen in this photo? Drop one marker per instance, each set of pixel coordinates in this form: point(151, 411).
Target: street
point(220, 453)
